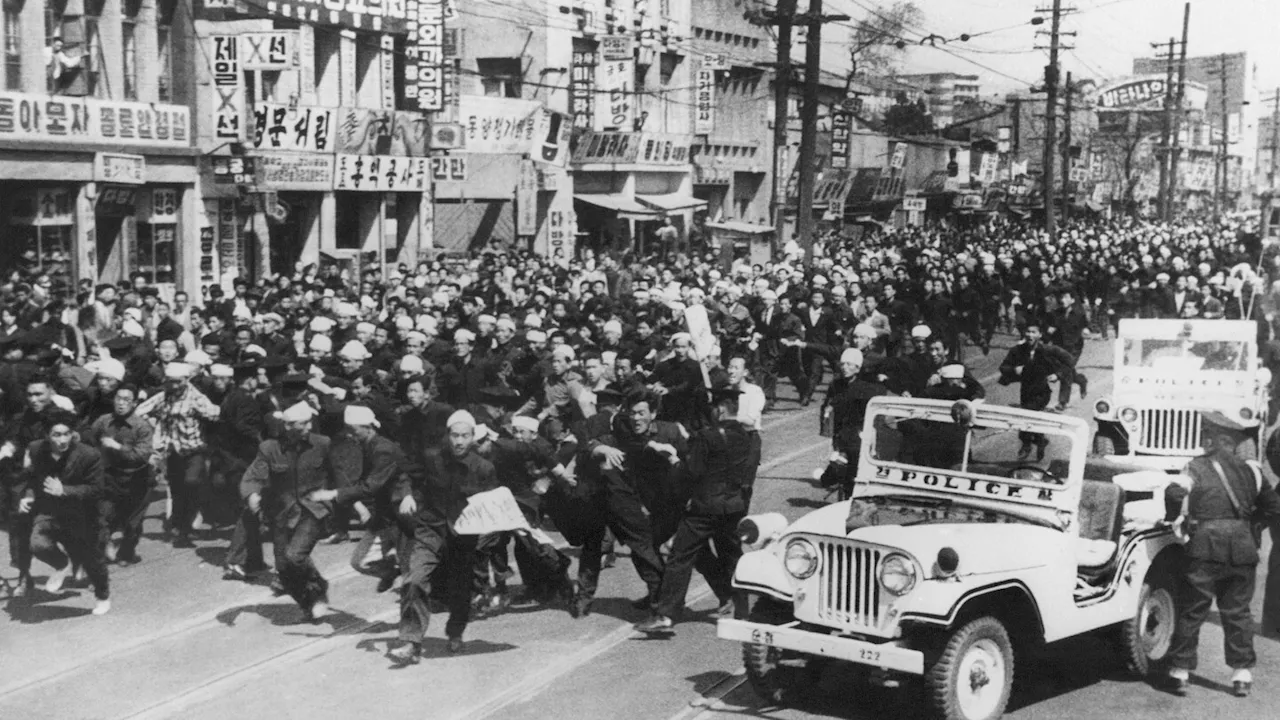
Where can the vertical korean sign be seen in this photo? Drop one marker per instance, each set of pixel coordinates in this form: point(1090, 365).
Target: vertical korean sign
point(704, 118)
point(228, 88)
point(582, 99)
point(616, 77)
point(840, 123)
point(527, 199)
point(424, 55)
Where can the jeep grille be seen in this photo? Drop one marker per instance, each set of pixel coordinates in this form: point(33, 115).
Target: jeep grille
point(849, 591)
point(1172, 431)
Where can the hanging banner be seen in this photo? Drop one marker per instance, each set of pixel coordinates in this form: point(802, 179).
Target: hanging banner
point(294, 171)
point(227, 89)
point(705, 102)
point(582, 99)
point(555, 144)
point(381, 173)
point(424, 55)
point(275, 50)
point(840, 123)
point(987, 171)
point(616, 77)
point(501, 125)
point(228, 239)
point(527, 199)
point(361, 131)
point(388, 59)
point(391, 16)
point(560, 232)
point(300, 128)
point(632, 148)
point(899, 156)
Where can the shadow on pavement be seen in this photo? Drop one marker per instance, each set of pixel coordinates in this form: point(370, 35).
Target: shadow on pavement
point(35, 608)
point(433, 648)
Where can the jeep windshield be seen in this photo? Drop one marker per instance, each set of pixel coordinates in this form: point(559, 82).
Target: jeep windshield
point(1186, 355)
point(907, 511)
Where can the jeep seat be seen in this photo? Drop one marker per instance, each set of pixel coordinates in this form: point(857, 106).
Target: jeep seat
point(1101, 518)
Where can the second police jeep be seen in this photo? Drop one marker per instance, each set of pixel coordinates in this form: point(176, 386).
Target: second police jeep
point(951, 561)
point(1166, 373)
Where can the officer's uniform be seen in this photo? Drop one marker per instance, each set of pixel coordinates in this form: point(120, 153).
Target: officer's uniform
point(1222, 556)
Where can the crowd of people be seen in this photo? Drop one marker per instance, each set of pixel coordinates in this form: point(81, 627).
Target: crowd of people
point(618, 400)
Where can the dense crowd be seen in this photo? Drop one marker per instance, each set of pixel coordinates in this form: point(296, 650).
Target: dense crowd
point(618, 400)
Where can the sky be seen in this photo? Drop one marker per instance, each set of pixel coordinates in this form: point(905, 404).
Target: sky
point(1110, 33)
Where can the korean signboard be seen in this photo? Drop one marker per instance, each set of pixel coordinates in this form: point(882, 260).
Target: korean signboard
point(704, 118)
point(227, 89)
point(840, 124)
point(501, 125)
point(116, 201)
point(1147, 93)
point(387, 57)
point(616, 77)
point(361, 131)
point(280, 171)
point(72, 121)
point(582, 80)
point(119, 168)
point(381, 173)
point(554, 143)
point(987, 170)
point(275, 50)
point(633, 148)
point(424, 54)
point(206, 255)
point(527, 199)
point(229, 240)
point(379, 15)
point(301, 128)
point(233, 170)
point(451, 168)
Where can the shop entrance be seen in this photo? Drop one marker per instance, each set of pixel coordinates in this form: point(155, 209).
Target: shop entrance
point(290, 225)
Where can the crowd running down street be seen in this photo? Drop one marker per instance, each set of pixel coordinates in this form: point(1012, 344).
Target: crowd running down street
point(321, 407)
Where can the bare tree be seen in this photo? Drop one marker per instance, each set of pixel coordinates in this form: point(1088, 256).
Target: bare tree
point(1125, 140)
point(878, 41)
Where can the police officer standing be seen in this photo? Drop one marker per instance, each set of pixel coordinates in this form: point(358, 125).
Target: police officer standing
point(1226, 494)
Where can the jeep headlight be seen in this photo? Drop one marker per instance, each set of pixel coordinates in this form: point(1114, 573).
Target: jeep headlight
point(801, 558)
point(1128, 415)
point(897, 574)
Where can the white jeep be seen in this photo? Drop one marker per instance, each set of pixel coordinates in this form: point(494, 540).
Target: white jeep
point(1166, 373)
point(951, 559)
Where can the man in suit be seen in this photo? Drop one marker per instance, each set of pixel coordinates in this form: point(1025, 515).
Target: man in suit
point(768, 322)
point(1032, 363)
point(1067, 326)
point(819, 328)
point(1226, 495)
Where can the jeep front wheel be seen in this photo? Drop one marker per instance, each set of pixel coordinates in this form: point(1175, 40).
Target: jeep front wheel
point(772, 671)
point(1145, 639)
point(973, 676)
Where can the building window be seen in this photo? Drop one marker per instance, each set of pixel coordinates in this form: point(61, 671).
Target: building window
point(12, 46)
point(164, 49)
point(667, 65)
point(39, 233)
point(93, 49)
point(500, 77)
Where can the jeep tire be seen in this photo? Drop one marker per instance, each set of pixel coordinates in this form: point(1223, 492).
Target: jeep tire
point(1145, 639)
point(769, 677)
point(973, 675)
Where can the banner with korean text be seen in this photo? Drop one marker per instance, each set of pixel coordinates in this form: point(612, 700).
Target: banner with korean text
point(299, 128)
point(73, 120)
point(227, 91)
point(501, 125)
point(582, 80)
point(424, 55)
point(381, 173)
point(616, 77)
point(705, 102)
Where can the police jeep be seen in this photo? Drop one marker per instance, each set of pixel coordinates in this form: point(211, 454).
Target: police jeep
point(951, 561)
point(1166, 373)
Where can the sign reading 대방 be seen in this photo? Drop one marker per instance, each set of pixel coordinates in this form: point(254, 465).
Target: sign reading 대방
point(379, 15)
point(705, 102)
point(119, 168)
point(620, 148)
point(85, 121)
point(273, 50)
point(281, 171)
point(301, 128)
point(616, 109)
point(424, 55)
point(501, 125)
point(381, 173)
point(227, 91)
point(582, 99)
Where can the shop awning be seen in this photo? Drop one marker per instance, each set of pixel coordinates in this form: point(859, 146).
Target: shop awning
point(741, 227)
point(626, 208)
point(671, 201)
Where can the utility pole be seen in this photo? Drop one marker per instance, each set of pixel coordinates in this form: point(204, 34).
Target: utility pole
point(1166, 127)
point(1066, 151)
point(1220, 167)
point(783, 18)
point(809, 121)
point(1275, 141)
point(1051, 115)
point(1176, 159)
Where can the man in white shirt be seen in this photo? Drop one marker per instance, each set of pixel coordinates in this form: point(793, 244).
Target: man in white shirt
point(751, 402)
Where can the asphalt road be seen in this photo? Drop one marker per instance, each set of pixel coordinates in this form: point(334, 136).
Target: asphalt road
point(180, 642)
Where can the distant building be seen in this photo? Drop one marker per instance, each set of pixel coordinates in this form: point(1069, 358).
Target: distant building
point(943, 92)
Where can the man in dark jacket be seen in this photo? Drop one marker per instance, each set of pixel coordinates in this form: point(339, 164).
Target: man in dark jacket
point(1032, 363)
point(720, 469)
point(1226, 495)
point(28, 426)
point(62, 483)
point(124, 440)
point(279, 483)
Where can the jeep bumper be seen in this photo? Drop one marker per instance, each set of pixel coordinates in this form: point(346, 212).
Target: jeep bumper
point(887, 655)
point(1167, 463)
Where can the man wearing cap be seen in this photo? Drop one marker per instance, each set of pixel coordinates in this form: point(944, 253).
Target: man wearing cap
point(124, 440)
point(279, 484)
point(29, 426)
point(1226, 496)
point(61, 483)
point(179, 415)
point(434, 498)
point(720, 468)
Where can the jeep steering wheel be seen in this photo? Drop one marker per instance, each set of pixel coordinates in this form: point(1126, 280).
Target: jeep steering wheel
point(1033, 472)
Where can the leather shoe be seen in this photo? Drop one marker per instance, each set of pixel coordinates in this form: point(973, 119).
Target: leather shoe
point(725, 610)
point(455, 645)
point(580, 607)
point(24, 588)
point(385, 582)
point(1178, 686)
point(234, 572)
point(406, 654)
point(656, 625)
point(1241, 688)
point(642, 604)
point(183, 542)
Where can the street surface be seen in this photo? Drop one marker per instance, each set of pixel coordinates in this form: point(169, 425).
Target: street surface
point(181, 642)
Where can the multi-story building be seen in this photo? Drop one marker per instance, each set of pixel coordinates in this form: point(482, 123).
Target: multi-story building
point(943, 92)
point(97, 168)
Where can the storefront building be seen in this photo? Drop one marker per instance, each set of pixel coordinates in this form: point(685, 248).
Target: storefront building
point(97, 165)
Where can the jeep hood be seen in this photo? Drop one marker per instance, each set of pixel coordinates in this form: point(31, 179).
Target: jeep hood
point(983, 547)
